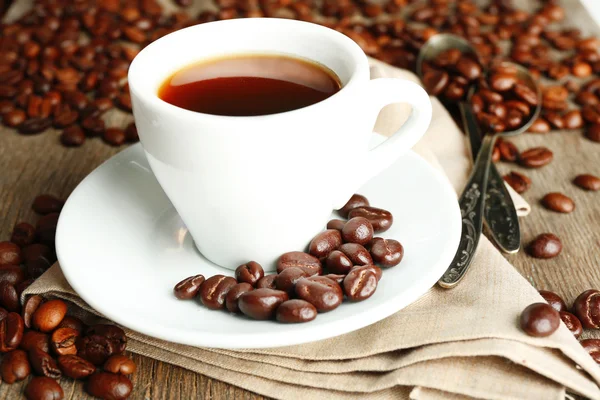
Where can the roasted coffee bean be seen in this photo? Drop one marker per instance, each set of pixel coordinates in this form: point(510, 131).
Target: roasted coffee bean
point(189, 287)
point(305, 261)
point(93, 126)
point(251, 272)
point(35, 340)
point(295, 311)
point(539, 320)
point(558, 202)
point(43, 388)
point(43, 364)
point(336, 224)
point(592, 346)
point(338, 263)
point(554, 300)
point(360, 284)
point(357, 253)
point(380, 219)
point(48, 315)
point(9, 298)
point(261, 303)
point(468, 68)
point(14, 118)
point(214, 289)
point(287, 279)
point(114, 136)
point(20, 287)
point(34, 125)
point(10, 254)
point(587, 308)
point(64, 116)
point(95, 348)
point(357, 230)
point(11, 332)
point(35, 269)
point(11, 274)
point(231, 300)
point(321, 292)
point(386, 252)
point(325, 242)
point(46, 204)
point(38, 251)
point(593, 133)
point(45, 229)
point(536, 157)
point(587, 98)
point(131, 133)
point(63, 340)
point(23, 234)
point(435, 81)
point(109, 386)
point(501, 82)
point(587, 182)
point(540, 125)
point(555, 120)
point(266, 282)
point(120, 364)
point(29, 307)
point(546, 245)
point(115, 334)
point(571, 322)
point(355, 201)
point(526, 94)
point(573, 120)
point(14, 366)
point(72, 136)
point(75, 367)
point(72, 322)
point(508, 151)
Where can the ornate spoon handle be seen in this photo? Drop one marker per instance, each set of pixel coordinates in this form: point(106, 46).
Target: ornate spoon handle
point(471, 202)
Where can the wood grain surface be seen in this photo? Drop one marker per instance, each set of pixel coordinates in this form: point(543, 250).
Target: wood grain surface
point(30, 165)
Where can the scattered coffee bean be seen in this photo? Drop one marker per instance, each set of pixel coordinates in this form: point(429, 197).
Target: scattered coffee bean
point(72, 136)
point(63, 340)
point(587, 182)
point(295, 311)
point(10, 254)
point(307, 262)
point(558, 202)
point(43, 388)
point(554, 300)
point(43, 364)
point(357, 230)
point(587, 308)
point(72, 322)
point(189, 287)
point(321, 292)
point(266, 282)
point(325, 242)
point(380, 219)
point(120, 364)
point(14, 366)
point(31, 305)
point(539, 320)
point(287, 279)
point(536, 157)
point(355, 201)
point(23, 234)
point(386, 252)
point(46, 204)
point(593, 132)
point(231, 300)
point(357, 253)
point(11, 332)
point(360, 284)
point(261, 303)
point(48, 315)
point(114, 136)
point(336, 224)
point(9, 298)
point(12, 274)
point(540, 125)
point(338, 263)
point(75, 367)
point(113, 333)
point(508, 151)
point(109, 386)
point(573, 120)
point(572, 323)
point(546, 245)
point(35, 340)
point(214, 289)
point(592, 346)
point(94, 348)
point(250, 272)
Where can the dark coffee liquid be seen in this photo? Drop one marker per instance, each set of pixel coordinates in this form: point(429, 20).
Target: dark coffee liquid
point(249, 85)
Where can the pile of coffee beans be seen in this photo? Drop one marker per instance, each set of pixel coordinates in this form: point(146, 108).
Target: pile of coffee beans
point(450, 73)
point(340, 265)
point(543, 319)
point(38, 337)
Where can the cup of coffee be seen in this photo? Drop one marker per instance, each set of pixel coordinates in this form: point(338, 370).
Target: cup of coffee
point(257, 129)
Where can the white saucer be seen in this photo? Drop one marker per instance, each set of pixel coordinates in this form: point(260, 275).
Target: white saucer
point(122, 247)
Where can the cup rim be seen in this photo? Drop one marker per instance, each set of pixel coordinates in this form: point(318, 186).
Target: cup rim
point(359, 59)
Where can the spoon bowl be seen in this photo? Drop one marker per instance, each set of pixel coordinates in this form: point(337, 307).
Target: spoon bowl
point(440, 43)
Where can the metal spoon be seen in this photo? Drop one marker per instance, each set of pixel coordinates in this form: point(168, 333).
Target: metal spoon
point(472, 200)
point(500, 214)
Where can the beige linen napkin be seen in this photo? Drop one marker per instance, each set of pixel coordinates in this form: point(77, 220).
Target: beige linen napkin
point(457, 344)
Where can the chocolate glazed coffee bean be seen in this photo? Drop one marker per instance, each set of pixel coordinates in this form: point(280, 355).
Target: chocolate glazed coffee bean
point(360, 284)
point(250, 272)
point(287, 279)
point(231, 300)
point(43, 388)
point(546, 245)
point(558, 202)
point(307, 262)
point(374, 268)
point(380, 219)
point(321, 292)
point(75, 367)
point(214, 289)
point(189, 287)
point(587, 308)
point(357, 254)
point(554, 300)
point(336, 224)
point(572, 323)
point(267, 282)
point(23, 234)
point(10, 254)
point(325, 242)
point(338, 263)
point(592, 346)
point(355, 201)
point(109, 386)
point(357, 230)
point(386, 252)
point(42, 363)
point(295, 311)
point(539, 320)
point(336, 278)
point(261, 303)
point(15, 366)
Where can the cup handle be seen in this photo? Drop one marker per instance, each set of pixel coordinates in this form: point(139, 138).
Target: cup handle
point(380, 93)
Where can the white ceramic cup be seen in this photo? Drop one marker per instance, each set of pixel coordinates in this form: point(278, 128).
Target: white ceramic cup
point(253, 188)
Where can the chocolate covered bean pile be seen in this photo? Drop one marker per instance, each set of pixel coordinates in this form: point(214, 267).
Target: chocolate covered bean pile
point(342, 264)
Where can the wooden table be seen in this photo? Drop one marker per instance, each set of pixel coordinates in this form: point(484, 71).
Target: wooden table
point(30, 165)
